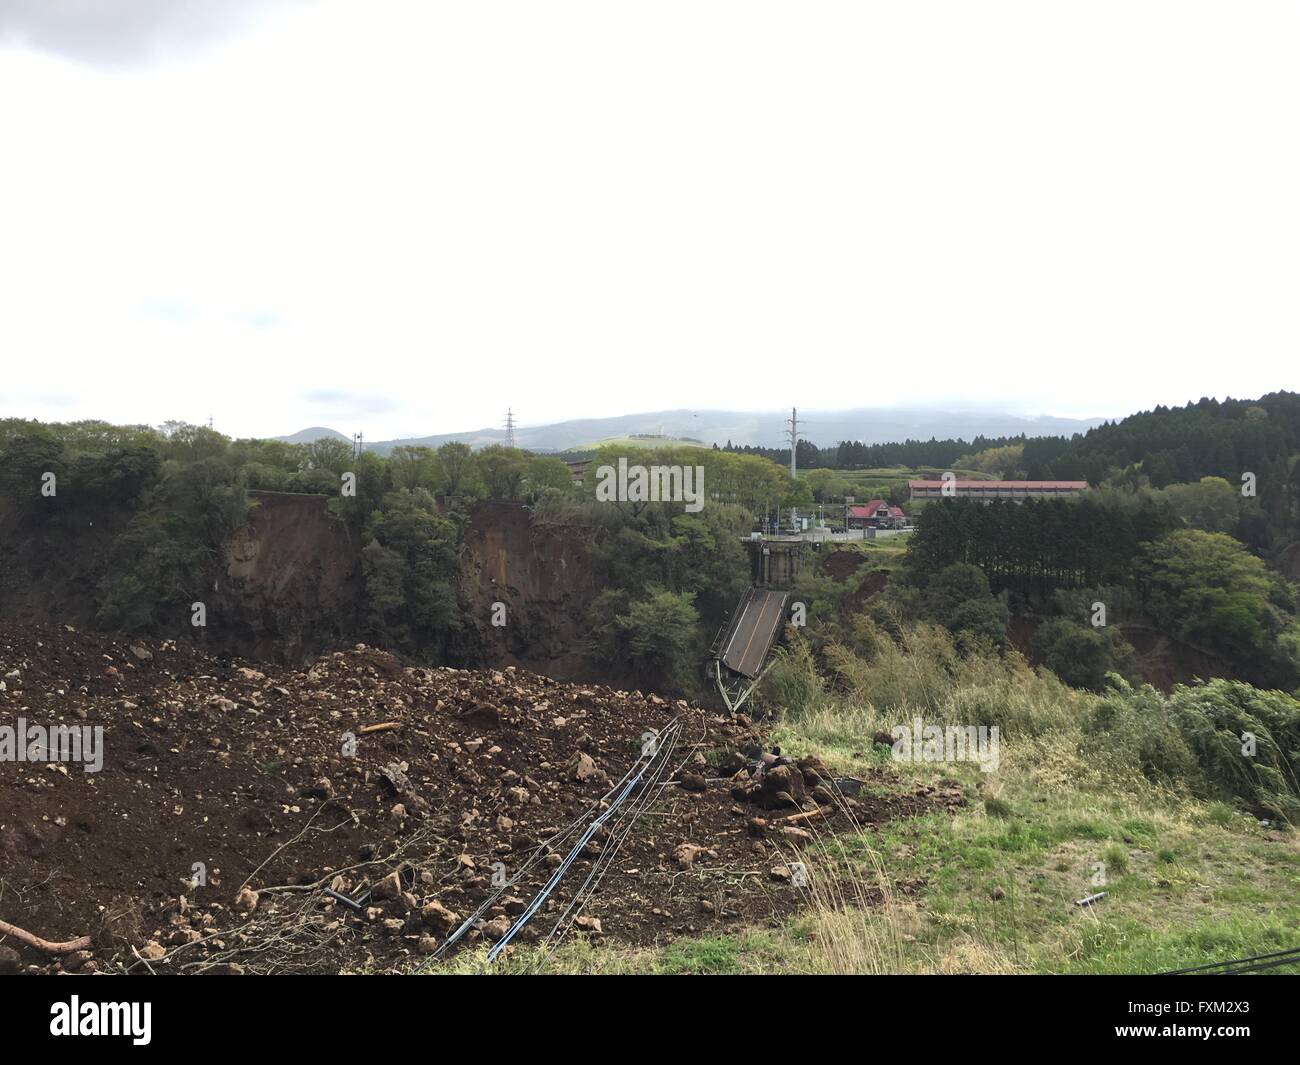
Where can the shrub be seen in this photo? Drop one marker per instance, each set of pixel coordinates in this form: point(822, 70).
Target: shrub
point(791, 684)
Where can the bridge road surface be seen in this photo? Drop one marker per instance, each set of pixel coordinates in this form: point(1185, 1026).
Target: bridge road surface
point(756, 625)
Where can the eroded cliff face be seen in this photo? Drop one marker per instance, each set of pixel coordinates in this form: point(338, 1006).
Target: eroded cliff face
point(288, 586)
point(542, 575)
point(291, 585)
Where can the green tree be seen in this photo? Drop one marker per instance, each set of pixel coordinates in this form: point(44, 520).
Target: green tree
point(1082, 655)
point(1211, 504)
point(959, 598)
point(459, 470)
point(662, 632)
point(410, 563)
point(1209, 588)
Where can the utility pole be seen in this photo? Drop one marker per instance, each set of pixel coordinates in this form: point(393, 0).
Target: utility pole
point(793, 433)
point(510, 427)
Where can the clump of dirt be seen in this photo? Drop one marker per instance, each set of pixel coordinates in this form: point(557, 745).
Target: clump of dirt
point(270, 819)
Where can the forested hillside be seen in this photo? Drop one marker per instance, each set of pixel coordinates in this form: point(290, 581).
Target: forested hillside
point(127, 527)
point(1167, 445)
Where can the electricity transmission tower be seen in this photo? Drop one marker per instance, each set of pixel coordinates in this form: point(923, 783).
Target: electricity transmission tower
point(793, 434)
point(357, 444)
point(510, 427)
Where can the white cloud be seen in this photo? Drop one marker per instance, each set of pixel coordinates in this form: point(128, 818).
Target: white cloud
point(126, 32)
point(581, 209)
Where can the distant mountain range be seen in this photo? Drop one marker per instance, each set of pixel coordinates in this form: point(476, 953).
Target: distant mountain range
point(871, 425)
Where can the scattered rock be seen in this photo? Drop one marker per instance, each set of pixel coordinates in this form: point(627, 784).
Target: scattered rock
point(436, 916)
point(686, 854)
point(153, 951)
point(390, 887)
point(496, 928)
point(248, 764)
point(584, 767)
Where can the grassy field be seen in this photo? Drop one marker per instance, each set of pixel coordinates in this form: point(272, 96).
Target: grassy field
point(638, 442)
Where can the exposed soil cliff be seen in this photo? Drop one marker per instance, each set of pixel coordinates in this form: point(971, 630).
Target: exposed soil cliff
point(292, 582)
point(541, 575)
point(288, 584)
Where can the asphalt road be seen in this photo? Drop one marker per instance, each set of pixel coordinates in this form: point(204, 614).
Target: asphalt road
point(753, 632)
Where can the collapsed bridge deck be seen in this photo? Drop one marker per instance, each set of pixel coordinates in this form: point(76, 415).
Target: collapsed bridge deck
point(754, 627)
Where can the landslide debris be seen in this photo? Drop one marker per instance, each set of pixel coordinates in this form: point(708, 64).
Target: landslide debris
point(254, 818)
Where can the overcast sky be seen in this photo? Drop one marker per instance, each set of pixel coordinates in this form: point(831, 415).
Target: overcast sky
point(401, 216)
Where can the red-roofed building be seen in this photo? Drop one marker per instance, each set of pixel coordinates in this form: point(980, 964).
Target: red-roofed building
point(987, 491)
point(876, 514)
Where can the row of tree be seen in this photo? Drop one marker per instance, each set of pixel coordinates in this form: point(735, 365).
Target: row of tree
point(1038, 546)
point(1135, 556)
point(855, 455)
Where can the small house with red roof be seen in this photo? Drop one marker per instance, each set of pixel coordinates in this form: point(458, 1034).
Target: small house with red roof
point(876, 514)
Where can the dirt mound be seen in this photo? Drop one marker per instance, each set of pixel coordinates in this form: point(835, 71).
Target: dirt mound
point(841, 565)
point(271, 819)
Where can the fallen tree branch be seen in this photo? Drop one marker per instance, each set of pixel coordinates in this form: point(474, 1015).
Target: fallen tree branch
point(797, 818)
point(44, 945)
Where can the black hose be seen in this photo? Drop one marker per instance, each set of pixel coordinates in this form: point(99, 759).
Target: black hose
point(1288, 956)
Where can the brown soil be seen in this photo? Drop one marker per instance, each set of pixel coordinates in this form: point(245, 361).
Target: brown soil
point(245, 771)
point(844, 566)
point(291, 583)
point(841, 565)
point(542, 574)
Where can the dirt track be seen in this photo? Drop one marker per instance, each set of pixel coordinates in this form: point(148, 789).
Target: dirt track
point(249, 773)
